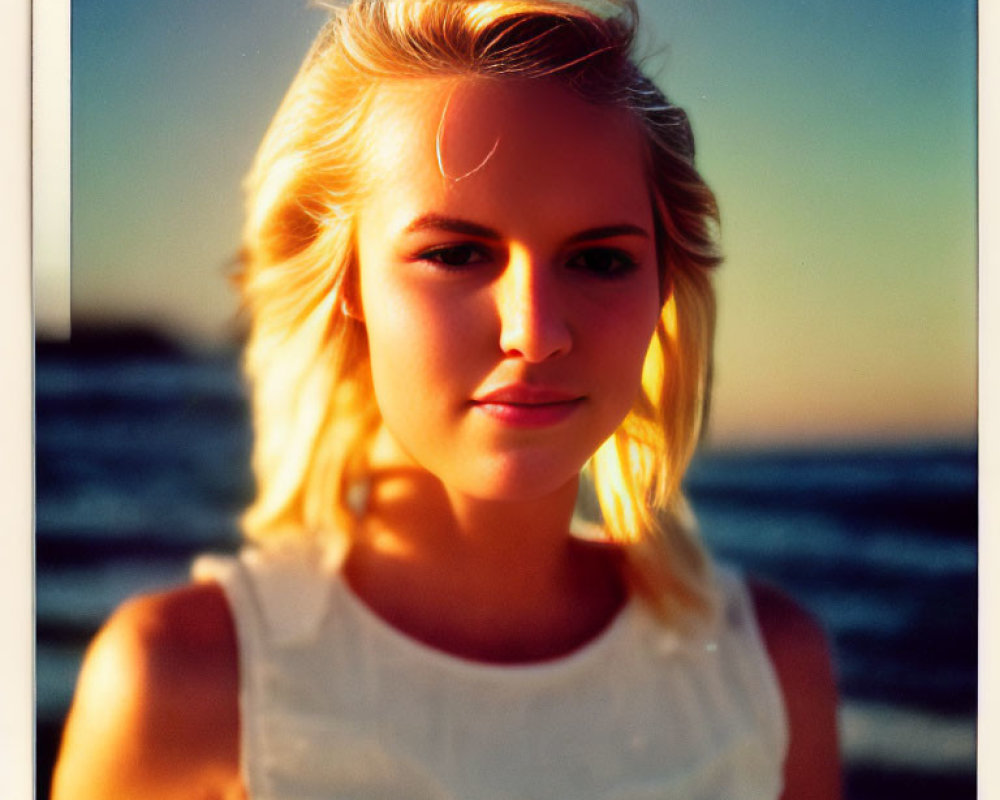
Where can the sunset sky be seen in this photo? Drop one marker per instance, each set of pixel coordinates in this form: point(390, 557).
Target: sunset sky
point(839, 136)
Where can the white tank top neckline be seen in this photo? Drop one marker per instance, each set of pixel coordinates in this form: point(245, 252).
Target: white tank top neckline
point(337, 703)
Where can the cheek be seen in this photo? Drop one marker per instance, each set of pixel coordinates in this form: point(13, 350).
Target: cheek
point(627, 329)
point(397, 342)
point(399, 375)
point(418, 350)
point(620, 353)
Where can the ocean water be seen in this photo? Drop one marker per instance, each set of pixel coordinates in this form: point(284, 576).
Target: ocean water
point(142, 463)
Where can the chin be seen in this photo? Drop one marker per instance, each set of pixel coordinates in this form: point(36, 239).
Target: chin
point(514, 483)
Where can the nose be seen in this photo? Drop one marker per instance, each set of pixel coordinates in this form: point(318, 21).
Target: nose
point(532, 309)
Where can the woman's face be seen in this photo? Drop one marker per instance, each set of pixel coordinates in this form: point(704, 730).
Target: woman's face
point(508, 279)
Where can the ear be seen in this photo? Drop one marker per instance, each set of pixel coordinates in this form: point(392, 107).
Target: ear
point(350, 294)
point(349, 309)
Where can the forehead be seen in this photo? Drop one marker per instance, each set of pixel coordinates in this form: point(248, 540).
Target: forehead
point(469, 140)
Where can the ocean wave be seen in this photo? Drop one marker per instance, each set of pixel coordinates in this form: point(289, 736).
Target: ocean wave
point(907, 738)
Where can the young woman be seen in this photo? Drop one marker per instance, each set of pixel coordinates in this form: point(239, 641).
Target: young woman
point(476, 262)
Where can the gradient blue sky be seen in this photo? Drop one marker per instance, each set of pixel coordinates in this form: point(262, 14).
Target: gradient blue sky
point(839, 136)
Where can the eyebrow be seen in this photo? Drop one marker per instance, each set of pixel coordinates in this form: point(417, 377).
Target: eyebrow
point(607, 232)
point(438, 222)
point(468, 228)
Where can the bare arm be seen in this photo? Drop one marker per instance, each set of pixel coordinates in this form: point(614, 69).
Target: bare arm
point(801, 657)
point(156, 708)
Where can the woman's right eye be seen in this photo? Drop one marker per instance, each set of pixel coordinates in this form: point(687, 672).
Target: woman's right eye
point(455, 256)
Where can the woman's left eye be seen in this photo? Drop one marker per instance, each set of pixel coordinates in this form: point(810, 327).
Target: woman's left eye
point(604, 262)
point(455, 256)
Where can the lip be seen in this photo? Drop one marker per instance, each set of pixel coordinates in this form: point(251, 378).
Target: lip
point(528, 406)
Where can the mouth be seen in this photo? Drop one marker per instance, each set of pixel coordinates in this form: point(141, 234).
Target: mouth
point(522, 405)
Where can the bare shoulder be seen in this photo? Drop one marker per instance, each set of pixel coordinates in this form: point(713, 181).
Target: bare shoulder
point(800, 652)
point(156, 708)
point(790, 632)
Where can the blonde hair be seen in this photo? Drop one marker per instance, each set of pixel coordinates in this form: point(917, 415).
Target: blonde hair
point(313, 403)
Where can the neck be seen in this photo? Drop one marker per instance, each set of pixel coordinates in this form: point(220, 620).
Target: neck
point(497, 581)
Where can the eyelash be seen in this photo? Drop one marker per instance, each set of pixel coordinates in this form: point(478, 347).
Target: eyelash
point(458, 257)
point(623, 262)
point(439, 256)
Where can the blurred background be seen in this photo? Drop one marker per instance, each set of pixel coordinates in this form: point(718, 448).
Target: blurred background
point(841, 460)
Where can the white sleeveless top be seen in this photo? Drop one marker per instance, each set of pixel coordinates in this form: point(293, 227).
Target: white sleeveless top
point(337, 704)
